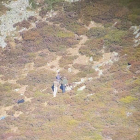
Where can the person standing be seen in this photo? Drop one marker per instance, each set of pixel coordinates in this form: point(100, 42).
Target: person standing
point(55, 84)
point(58, 77)
point(64, 84)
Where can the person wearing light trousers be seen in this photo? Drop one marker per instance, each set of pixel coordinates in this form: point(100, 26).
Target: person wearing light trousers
point(55, 84)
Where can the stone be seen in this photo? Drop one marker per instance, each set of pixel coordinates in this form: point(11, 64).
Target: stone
point(72, 0)
point(91, 59)
point(69, 70)
point(81, 88)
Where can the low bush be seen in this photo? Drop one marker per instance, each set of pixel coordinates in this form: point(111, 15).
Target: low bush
point(30, 35)
point(39, 79)
point(128, 99)
point(123, 133)
point(24, 24)
point(134, 18)
point(5, 87)
point(69, 21)
point(66, 60)
point(43, 60)
point(75, 27)
point(33, 3)
point(84, 70)
point(3, 9)
point(122, 13)
point(114, 37)
point(96, 32)
point(92, 48)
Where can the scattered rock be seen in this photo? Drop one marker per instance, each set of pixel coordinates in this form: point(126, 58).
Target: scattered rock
point(91, 59)
point(81, 88)
point(18, 12)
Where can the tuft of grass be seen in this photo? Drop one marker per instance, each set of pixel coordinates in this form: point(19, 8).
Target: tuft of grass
point(62, 34)
point(38, 94)
point(97, 136)
point(5, 87)
point(128, 99)
point(72, 122)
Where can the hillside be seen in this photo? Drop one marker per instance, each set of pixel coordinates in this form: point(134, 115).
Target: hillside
point(95, 44)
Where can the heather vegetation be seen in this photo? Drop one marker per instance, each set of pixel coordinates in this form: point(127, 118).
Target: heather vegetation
point(93, 48)
point(100, 60)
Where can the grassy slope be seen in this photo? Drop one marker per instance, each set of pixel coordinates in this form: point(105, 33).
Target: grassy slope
point(113, 109)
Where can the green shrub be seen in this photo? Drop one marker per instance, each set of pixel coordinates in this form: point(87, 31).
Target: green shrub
point(51, 3)
point(96, 32)
point(38, 94)
point(72, 122)
point(39, 79)
point(63, 34)
point(134, 18)
point(56, 48)
point(114, 37)
point(125, 2)
point(33, 3)
point(128, 99)
point(75, 27)
point(92, 48)
point(84, 70)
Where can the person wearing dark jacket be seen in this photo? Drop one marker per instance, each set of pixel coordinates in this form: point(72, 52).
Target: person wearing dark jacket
point(64, 84)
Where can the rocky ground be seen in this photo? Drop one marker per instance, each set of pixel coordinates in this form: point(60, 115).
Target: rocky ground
point(96, 47)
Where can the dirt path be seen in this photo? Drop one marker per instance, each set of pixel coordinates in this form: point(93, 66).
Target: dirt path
point(3, 110)
point(82, 59)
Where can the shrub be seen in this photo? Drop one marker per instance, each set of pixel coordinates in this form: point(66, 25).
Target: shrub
point(96, 32)
point(72, 122)
point(5, 87)
point(3, 9)
point(44, 59)
point(51, 3)
point(33, 3)
point(30, 35)
point(136, 117)
point(123, 133)
point(92, 48)
point(56, 48)
point(38, 94)
point(93, 10)
point(84, 70)
point(24, 24)
point(123, 25)
point(121, 13)
point(63, 34)
point(114, 37)
point(39, 79)
point(128, 99)
point(134, 18)
point(66, 60)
